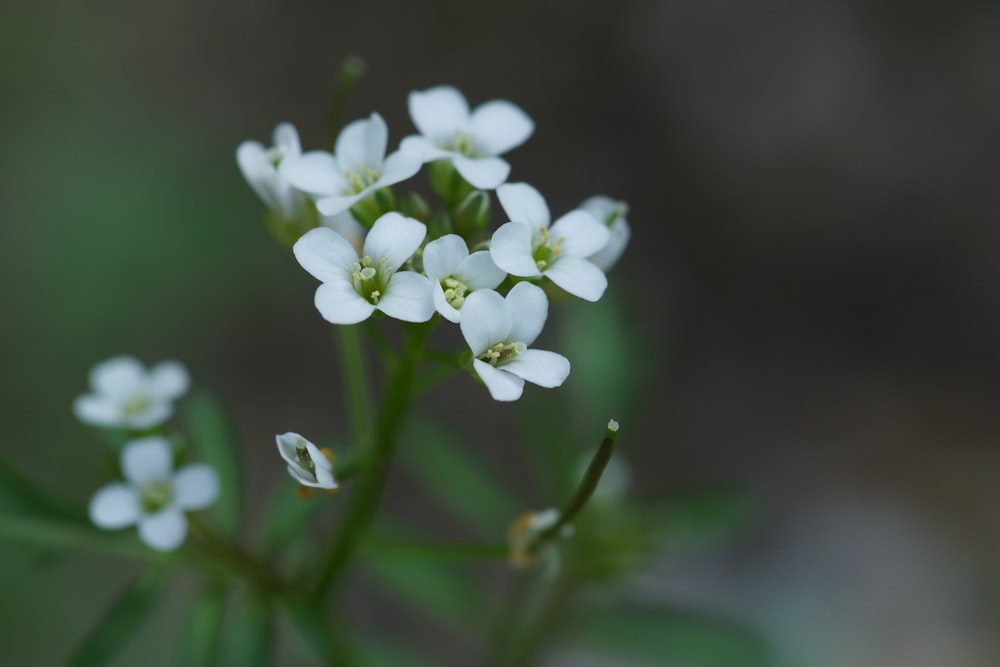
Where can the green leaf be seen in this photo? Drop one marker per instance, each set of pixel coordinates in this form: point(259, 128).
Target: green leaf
point(19, 495)
point(703, 517)
point(250, 634)
point(319, 633)
point(451, 475)
point(121, 621)
point(385, 652)
point(670, 637)
point(72, 536)
point(214, 439)
point(200, 638)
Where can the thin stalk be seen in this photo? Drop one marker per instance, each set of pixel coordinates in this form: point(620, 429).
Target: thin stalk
point(396, 400)
point(356, 385)
point(237, 560)
point(351, 71)
point(428, 549)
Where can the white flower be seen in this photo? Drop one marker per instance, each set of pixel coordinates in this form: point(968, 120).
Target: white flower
point(472, 141)
point(307, 464)
point(154, 496)
point(357, 167)
point(612, 214)
point(125, 394)
point(523, 533)
point(354, 287)
point(499, 331)
point(455, 273)
point(260, 166)
point(528, 247)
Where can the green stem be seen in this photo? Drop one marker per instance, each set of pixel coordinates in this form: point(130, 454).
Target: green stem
point(237, 560)
point(427, 549)
point(350, 73)
point(355, 383)
point(396, 400)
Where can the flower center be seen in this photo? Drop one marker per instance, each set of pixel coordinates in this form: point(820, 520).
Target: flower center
point(370, 279)
point(361, 178)
point(463, 143)
point(454, 291)
point(501, 352)
point(304, 460)
point(154, 496)
point(547, 249)
point(275, 155)
point(136, 404)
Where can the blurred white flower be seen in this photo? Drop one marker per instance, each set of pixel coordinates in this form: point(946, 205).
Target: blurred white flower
point(354, 287)
point(525, 530)
point(153, 495)
point(307, 464)
point(260, 166)
point(528, 247)
point(455, 273)
point(471, 141)
point(126, 395)
point(357, 167)
point(612, 213)
point(499, 331)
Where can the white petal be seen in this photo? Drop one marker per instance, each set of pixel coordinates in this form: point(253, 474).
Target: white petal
point(286, 139)
point(608, 256)
point(422, 147)
point(443, 255)
point(362, 143)
point(287, 445)
point(578, 277)
point(499, 126)
point(301, 475)
point(408, 297)
point(146, 459)
point(320, 462)
point(486, 320)
point(523, 203)
point(484, 173)
point(252, 159)
point(97, 410)
point(158, 412)
point(335, 205)
point(510, 249)
point(315, 172)
point(114, 506)
point(503, 386)
point(196, 486)
point(338, 303)
point(581, 232)
point(118, 377)
point(441, 304)
point(344, 224)
point(439, 112)
point(324, 479)
point(479, 271)
point(326, 255)
point(164, 531)
point(529, 307)
point(168, 380)
point(395, 237)
point(398, 167)
point(541, 367)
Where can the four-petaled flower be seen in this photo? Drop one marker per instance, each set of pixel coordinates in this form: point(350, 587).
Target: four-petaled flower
point(357, 167)
point(153, 496)
point(499, 330)
point(307, 464)
point(260, 166)
point(471, 141)
point(528, 247)
point(354, 287)
point(455, 273)
point(126, 395)
point(612, 214)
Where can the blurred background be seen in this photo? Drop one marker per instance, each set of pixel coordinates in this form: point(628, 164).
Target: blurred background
point(808, 310)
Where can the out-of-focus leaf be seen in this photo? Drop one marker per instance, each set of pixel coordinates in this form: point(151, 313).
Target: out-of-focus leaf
point(214, 439)
point(452, 476)
point(200, 638)
point(319, 633)
point(433, 589)
point(668, 637)
point(702, 517)
point(383, 652)
point(19, 495)
point(71, 536)
point(120, 622)
point(250, 635)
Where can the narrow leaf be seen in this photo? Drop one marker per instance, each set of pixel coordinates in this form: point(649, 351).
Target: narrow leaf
point(214, 439)
point(199, 643)
point(250, 635)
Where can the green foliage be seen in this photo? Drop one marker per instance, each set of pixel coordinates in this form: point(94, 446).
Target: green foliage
point(200, 638)
point(250, 634)
point(216, 443)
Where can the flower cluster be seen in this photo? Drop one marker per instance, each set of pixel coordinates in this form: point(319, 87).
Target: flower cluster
point(412, 265)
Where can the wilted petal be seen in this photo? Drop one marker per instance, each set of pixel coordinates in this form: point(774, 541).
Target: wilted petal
point(439, 112)
point(541, 367)
point(529, 307)
point(164, 531)
point(578, 277)
point(581, 233)
point(339, 303)
point(168, 380)
point(196, 486)
point(325, 254)
point(147, 459)
point(408, 297)
point(500, 126)
point(486, 320)
point(483, 173)
point(510, 249)
point(114, 506)
point(503, 386)
point(395, 237)
point(523, 203)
